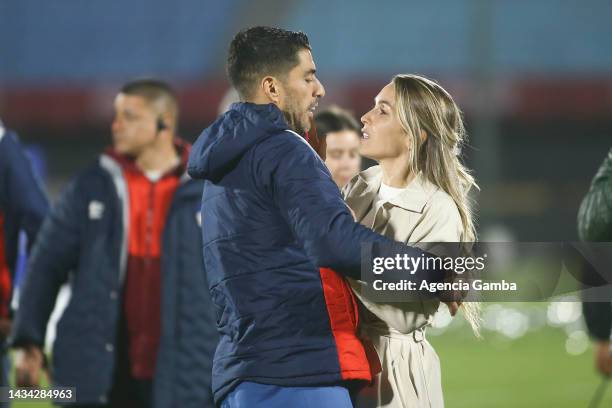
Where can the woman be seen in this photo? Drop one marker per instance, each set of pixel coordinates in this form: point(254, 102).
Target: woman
point(418, 194)
point(340, 134)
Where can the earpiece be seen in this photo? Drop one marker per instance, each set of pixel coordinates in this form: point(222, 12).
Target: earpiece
point(161, 125)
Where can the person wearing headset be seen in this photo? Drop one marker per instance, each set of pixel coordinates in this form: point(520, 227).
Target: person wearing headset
point(138, 330)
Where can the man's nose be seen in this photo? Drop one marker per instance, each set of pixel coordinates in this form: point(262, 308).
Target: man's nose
point(116, 125)
point(320, 91)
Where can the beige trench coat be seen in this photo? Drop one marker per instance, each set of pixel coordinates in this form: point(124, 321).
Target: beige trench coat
point(421, 215)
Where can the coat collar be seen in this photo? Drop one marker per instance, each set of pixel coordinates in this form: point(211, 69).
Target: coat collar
point(414, 197)
point(182, 147)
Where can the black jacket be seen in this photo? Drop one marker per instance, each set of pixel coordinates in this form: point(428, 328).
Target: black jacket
point(595, 225)
point(83, 242)
point(22, 201)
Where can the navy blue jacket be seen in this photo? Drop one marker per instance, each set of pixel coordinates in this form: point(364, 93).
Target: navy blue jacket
point(23, 203)
point(83, 242)
point(271, 216)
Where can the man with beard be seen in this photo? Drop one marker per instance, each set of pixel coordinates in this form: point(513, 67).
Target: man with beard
point(273, 223)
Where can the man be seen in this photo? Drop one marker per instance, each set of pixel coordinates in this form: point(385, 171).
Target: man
point(271, 216)
point(595, 225)
point(138, 330)
point(341, 136)
point(23, 206)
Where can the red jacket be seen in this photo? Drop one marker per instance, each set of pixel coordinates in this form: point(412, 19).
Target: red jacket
point(149, 202)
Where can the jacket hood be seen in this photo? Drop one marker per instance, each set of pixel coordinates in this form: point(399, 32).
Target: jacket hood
point(221, 146)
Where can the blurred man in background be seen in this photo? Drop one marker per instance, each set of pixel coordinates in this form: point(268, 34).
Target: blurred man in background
point(595, 225)
point(23, 206)
point(138, 329)
point(340, 135)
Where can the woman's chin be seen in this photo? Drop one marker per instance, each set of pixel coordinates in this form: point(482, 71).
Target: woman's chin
point(366, 153)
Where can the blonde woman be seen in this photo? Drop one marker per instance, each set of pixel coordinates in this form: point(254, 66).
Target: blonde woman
point(418, 194)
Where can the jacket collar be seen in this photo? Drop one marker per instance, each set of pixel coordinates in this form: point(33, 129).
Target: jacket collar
point(182, 148)
point(414, 197)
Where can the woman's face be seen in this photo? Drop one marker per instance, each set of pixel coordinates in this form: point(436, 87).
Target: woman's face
point(383, 136)
point(342, 155)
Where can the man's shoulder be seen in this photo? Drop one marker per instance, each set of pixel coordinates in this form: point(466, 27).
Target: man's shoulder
point(10, 148)
point(93, 178)
point(285, 148)
point(286, 140)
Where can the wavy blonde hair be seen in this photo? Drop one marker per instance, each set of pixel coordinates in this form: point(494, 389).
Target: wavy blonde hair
point(423, 106)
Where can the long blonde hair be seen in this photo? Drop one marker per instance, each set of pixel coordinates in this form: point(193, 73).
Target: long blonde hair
point(423, 106)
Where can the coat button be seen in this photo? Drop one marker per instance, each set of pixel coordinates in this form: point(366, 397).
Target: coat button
point(113, 294)
point(110, 347)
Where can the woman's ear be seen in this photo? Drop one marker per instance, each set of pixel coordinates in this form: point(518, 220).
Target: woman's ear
point(271, 88)
point(423, 136)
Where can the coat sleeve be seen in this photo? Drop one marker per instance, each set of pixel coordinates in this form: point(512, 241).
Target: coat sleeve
point(54, 254)
point(595, 224)
point(598, 319)
point(311, 204)
point(28, 203)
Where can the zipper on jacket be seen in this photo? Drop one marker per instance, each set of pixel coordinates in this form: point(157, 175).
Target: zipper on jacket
point(149, 225)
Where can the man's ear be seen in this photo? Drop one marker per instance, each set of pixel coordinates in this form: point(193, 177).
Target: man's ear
point(167, 120)
point(272, 89)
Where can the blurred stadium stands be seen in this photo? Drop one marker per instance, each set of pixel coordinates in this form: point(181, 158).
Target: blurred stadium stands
point(533, 77)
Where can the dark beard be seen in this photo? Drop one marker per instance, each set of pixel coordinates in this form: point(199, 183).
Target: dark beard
point(294, 123)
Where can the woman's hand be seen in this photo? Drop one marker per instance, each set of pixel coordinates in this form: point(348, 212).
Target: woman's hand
point(453, 307)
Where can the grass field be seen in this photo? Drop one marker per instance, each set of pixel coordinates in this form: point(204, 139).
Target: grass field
point(532, 371)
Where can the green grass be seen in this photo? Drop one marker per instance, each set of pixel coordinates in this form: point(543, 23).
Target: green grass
point(533, 371)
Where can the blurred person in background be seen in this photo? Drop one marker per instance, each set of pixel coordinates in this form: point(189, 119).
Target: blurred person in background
point(138, 330)
point(418, 194)
point(340, 135)
point(23, 206)
point(595, 225)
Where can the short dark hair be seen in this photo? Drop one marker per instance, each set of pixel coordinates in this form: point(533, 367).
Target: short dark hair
point(153, 91)
point(335, 119)
point(260, 51)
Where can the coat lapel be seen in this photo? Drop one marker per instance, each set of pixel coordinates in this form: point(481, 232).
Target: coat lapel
point(364, 192)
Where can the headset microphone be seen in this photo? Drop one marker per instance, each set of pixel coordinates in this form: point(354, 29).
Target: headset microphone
point(161, 125)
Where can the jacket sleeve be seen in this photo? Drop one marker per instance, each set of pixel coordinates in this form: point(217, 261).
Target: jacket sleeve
point(598, 319)
point(28, 203)
point(54, 254)
point(595, 224)
point(311, 204)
